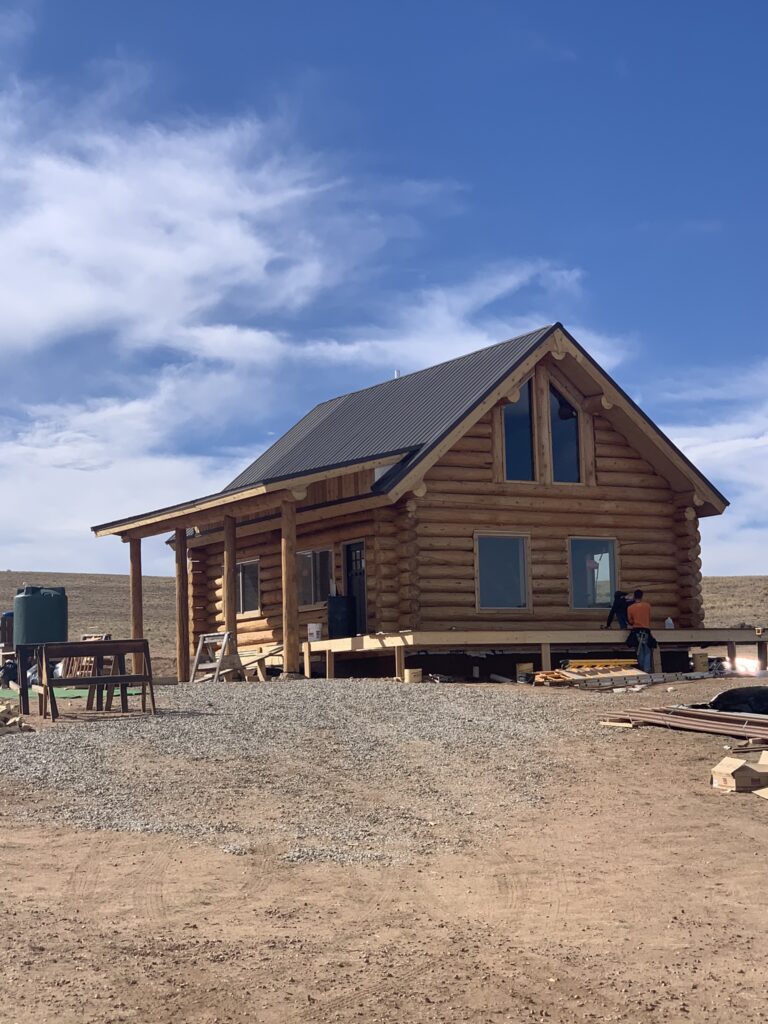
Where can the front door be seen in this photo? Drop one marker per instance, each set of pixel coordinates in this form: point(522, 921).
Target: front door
point(354, 556)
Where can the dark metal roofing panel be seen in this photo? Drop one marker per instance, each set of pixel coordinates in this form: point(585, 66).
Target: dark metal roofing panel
point(398, 416)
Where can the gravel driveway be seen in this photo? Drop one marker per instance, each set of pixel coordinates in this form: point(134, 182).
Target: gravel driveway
point(348, 771)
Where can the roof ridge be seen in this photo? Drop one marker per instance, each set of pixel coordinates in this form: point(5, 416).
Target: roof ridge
point(432, 366)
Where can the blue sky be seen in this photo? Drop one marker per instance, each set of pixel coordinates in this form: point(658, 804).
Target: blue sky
point(213, 216)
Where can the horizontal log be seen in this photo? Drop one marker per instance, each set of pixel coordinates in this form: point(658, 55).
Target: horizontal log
point(649, 482)
point(438, 472)
point(658, 492)
point(629, 464)
point(562, 504)
point(610, 450)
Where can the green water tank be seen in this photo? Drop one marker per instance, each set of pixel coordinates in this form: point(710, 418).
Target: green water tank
point(39, 615)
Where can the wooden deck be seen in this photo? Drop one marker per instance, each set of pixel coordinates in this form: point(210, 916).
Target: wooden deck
point(542, 642)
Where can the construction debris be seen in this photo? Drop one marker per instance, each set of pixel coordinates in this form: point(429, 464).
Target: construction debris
point(11, 722)
point(721, 723)
point(737, 775)
point(608, 676)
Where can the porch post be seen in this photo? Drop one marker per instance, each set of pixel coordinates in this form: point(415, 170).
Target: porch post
point(229, 582)
point(137, 602)
point(289, 586)
point(182, 607)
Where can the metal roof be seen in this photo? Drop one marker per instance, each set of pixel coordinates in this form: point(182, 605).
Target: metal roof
point(404, 415)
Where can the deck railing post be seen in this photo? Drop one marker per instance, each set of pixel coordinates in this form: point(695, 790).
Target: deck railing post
point(137, 599)
point(229, 582)
point(182, 607)
point(289, 586)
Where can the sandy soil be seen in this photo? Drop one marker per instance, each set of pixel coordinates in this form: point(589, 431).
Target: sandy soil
point(632, 893)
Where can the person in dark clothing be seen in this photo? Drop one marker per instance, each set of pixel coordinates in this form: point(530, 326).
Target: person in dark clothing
point(619, 610)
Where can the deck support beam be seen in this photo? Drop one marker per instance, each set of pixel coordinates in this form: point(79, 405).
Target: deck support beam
point(137, 599)
point(229, 583)
point(182, 607)
point(290, 586)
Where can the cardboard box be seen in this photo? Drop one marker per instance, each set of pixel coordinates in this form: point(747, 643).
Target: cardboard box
point(735, 775)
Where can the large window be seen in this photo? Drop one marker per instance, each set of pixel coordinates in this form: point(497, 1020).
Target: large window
point(593, 572)
point(315, 571)
point(518, 437)
point(248, 586)
point(502, 577)
point(564, 421)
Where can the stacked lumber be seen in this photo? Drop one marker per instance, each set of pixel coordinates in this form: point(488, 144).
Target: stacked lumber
point(11, 721)
point(720, 723)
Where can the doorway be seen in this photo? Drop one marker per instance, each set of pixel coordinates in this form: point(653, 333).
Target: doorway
point(354, 574)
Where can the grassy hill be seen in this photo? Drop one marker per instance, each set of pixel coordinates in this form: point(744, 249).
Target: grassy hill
point(99, 604)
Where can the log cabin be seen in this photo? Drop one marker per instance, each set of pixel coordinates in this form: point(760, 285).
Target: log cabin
point(502, 495)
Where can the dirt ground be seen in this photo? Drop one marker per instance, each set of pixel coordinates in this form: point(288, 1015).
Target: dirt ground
point(632, 892)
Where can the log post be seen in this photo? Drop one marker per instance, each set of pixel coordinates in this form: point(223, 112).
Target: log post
point(762, 655)
point(182, 607)
point(229, 582)
point(541, 426)
point(289, 586)
point(137, 601)
point(731, 649)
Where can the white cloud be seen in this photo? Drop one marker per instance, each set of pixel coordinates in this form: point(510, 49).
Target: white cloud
point(731, 448)
point(442, 322)
point(174, 262)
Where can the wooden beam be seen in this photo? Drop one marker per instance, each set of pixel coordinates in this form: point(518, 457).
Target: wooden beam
point(541, 426)
point(137, 601)
point(762, 655)
point(290, 587)
point(533, 638)
point(229, 581)
point(182, 607)
point(330, 665)
point(546, 657)
point(214, 506)
point(307, 649)
point(731, 649)
point(400, 663)
point(597, 404)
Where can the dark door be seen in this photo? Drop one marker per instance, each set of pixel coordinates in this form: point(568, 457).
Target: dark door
point(354, 555)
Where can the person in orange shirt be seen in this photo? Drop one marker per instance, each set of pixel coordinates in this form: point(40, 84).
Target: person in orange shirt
point(639, 612)
point(639, 615)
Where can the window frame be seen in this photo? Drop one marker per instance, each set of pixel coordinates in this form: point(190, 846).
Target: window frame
point(502, 435)
point(314, 551)
point(601, 609)
point(543, 460)
point(586, 433)
point(254, 612)
point(555, 386)
point(525, 610)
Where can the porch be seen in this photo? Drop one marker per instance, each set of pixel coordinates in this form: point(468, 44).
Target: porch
point(545, 645)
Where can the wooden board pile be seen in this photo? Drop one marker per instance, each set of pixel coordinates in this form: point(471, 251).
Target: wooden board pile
point(609, 676)
point(11, 722)
point(721, 723)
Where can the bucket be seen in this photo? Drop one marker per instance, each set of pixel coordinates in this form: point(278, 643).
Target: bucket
point(700, 661)
point(314, 631)
point(412, 675)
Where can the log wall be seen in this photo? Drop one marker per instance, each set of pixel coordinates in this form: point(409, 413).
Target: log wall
point(263, 627)
point(657, 542)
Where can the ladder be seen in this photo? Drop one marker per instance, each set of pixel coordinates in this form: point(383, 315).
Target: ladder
point(216, 657)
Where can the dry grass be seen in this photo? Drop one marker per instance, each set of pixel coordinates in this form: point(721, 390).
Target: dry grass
point(736, 600)
point(100, 604)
